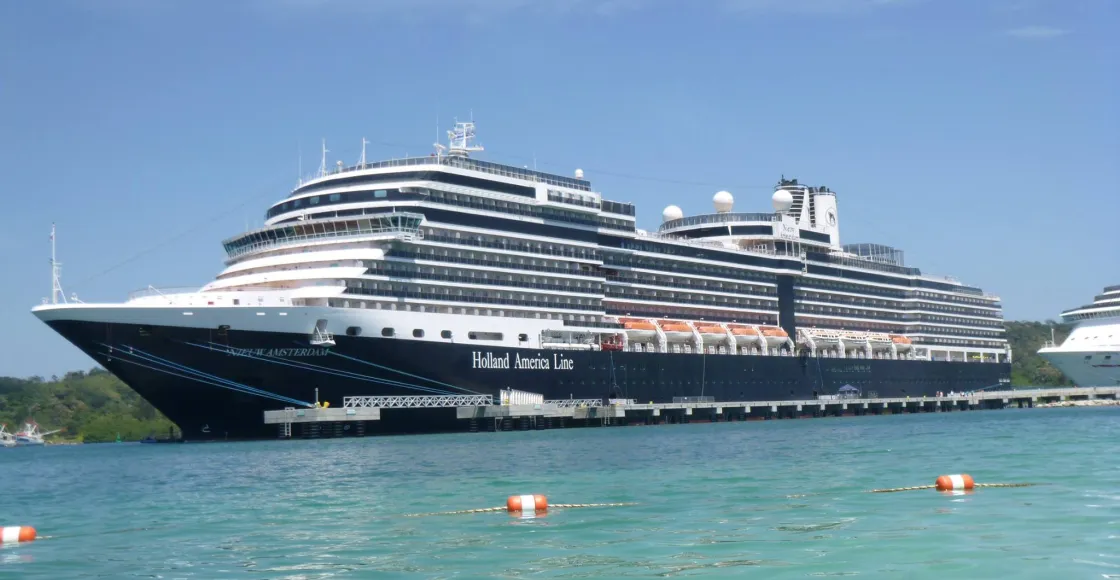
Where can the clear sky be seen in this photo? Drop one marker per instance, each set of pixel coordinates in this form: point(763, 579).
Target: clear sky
point(980, 136)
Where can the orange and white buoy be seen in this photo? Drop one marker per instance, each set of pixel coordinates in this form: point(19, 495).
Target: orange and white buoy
point(961, 482)
point(16, 534)
point(524, 503)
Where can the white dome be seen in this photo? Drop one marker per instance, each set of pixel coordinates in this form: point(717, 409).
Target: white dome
point(723, 201)
point(782, 200)
point(579, 174)
point(671, 213)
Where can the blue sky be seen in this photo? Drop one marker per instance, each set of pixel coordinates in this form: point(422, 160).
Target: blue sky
point(980, 136)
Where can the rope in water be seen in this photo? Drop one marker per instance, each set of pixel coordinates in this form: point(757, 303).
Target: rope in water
point(504, 508)
point(978, 485)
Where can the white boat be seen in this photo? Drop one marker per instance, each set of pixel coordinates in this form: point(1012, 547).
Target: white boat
point(31, 435)
point(6, 438)
point(1090, 355)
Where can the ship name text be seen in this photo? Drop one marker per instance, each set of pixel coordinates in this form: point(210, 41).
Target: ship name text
point(489, 360)
point(280, 352)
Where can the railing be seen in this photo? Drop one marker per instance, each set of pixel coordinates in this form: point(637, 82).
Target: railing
point(463, 163)
point(153, 291)
point(716, 218)
point(570, 403)
point(404, 224)
point(417, 401)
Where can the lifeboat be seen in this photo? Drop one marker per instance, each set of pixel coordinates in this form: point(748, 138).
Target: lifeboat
point(774, 336)
point(901, 343)
point(612, 342)
point(879, 341)
point(745, 335)
point(676, 331)
point(639, 330)
point(711, 333)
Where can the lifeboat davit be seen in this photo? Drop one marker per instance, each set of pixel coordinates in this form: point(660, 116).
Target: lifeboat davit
point(676, 331)
point(711, 333)
point(639, 330)
point(901, 343)
point(774, 336)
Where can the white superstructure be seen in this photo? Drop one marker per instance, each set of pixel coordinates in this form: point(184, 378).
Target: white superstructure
point(1090, 355)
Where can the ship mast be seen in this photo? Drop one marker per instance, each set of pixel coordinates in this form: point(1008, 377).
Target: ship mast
point(459, 140)
point(56, 273)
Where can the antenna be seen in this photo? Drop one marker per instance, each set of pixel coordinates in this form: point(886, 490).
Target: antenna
point(323, 163)
point(437, 145)
point(460, 140)
point(362, 160)
point(56, 273)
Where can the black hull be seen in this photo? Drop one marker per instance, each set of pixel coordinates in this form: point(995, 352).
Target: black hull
point(160, 363)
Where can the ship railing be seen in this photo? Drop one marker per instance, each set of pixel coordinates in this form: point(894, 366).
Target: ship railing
point(282, 235)
point(417, 401)
point(153, 291)
point(573, 403)
point(462, 163)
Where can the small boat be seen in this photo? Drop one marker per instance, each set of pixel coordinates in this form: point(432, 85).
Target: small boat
point(6, 438)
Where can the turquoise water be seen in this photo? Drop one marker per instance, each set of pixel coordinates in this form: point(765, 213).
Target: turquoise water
point(775, 499)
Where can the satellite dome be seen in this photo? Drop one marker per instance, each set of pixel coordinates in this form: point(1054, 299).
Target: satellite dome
point(782, 200)
point(671, 213)
point(579, 174)
point(723, 201)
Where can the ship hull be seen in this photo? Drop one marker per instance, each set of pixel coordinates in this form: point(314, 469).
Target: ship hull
point(217, 385)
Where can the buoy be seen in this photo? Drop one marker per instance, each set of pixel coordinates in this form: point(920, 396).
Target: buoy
point(15, 534)
point(517, 503)
point(961, 482)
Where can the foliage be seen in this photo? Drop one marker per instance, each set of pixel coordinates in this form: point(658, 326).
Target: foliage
point(90, 407)
point(1027, 367)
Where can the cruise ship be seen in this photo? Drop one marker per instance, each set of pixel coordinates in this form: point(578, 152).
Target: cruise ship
point(449, 274)
point(1090, 355)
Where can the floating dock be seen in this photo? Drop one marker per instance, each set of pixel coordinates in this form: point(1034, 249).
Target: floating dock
point(520, 410)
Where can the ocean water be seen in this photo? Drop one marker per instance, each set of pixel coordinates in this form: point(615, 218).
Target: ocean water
point(774, 499)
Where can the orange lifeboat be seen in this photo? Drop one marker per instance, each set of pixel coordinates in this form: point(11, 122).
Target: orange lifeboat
point(774, 331)
point(676, 331)
point(709, 329)
point(743, 331)
point(711, 333)
point(774, 336)
point(638, 330)
point(899, 339)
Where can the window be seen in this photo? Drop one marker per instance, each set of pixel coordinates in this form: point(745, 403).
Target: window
point(445, 334)
point(386, 332)
point(314, 200)
point(484, 335)
point(354, 331)
point(334, 197)
point(145, 331)
point(236, 301)
point(223, 330)
point(523, 337)
point(418, 333)
point(380, 193)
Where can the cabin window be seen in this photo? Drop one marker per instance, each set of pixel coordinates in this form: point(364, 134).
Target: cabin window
point(386, 332)
point(473, 335)
point(380, 193)
point(314, 200)
point(418, 333)
point(354, 331)
point(445, 334)
point(236, 301)
point(523, 337)
point(335, 197)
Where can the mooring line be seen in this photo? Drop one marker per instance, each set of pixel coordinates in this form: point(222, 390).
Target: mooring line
point(977, 485)
point(506, 508)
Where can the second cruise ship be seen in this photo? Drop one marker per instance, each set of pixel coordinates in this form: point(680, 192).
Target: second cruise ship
point(1090, 355)
point(448, 274)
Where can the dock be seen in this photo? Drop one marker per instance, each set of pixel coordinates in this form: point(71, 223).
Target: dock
point(521, 410)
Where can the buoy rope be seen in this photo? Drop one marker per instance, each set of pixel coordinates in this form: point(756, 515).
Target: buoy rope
point(978, 485)
point(504, 508)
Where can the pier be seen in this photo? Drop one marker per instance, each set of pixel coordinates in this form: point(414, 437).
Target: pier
point(521, 410)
